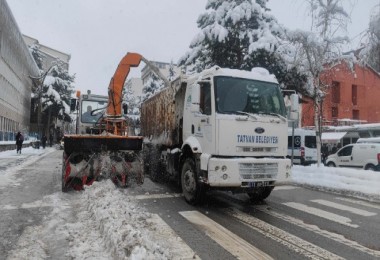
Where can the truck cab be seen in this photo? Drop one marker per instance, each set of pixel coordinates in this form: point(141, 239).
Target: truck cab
point(220, 129)
point(236, 122)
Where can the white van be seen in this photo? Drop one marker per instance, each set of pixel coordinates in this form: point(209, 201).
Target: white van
point(360, 155)
point(305, 146)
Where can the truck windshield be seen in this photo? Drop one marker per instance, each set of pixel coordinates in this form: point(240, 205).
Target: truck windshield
point(234, 95)
point(91, 107)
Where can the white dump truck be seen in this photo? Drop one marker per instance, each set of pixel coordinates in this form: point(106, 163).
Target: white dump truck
point(220, 129)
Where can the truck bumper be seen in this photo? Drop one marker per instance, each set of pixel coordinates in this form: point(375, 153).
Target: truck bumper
point(246, 172)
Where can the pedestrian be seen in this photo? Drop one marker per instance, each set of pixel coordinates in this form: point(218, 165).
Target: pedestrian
point(51, 140)
point(43, 140)
point(324, 152)
point(19, 141)
point(334, 149)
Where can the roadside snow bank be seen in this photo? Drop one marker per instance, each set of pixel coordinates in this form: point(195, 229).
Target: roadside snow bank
point(353, 182)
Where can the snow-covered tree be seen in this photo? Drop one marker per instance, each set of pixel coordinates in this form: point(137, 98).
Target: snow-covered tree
point(318, 51)
point(239, 34)
point(56, 92)
point(38, 56)
point(131, 100)
point(370, 54)
point(172, 73)
point(153, 85)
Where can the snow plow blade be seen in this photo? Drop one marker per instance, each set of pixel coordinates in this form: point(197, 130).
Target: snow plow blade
point(98, 143)
point(90, 158)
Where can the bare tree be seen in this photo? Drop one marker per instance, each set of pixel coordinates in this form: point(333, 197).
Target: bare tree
point(370, 53)
point(317, 51)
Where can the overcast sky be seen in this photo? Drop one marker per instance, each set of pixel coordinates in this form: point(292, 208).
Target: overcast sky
point(98, 33)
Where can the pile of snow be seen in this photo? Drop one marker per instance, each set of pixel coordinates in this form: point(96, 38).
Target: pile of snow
point(353, 182)
point(117, 223)
point(98, 223)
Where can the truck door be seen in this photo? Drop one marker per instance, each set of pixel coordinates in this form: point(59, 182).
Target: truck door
point(204, 129)
point(345, 157)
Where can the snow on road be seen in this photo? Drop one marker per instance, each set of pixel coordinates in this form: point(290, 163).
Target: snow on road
point(103, 223)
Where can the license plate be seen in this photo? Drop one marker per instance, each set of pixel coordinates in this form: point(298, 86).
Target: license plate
point(258, 184)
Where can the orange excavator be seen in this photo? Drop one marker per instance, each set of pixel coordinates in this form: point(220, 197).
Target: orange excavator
point(101, 147)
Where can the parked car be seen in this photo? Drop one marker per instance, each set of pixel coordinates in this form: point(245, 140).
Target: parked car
point(305, 146)
point(360, 155)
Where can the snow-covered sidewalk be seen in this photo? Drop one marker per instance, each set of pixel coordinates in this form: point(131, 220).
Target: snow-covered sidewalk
point(11, 162)
point(352, 182)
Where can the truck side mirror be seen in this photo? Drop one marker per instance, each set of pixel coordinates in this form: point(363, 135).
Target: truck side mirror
point(294, 103)
point(195, 97)
point(294, 107)
point(73, 104)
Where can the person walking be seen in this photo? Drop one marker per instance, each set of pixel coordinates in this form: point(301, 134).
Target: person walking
point(19, 141)
point(43, 140)
point(51, 140)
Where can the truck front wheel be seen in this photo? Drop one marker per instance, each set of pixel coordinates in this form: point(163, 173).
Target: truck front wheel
point(192, 189)
point(260, 194)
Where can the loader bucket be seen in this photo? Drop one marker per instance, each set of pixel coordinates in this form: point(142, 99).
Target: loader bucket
point(90, 158)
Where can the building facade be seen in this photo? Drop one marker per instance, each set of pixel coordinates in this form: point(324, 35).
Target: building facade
point(50, 54)
point(353, 97)
point(17, 66)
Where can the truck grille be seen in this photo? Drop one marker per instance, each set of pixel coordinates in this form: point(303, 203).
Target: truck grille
point(249, 171)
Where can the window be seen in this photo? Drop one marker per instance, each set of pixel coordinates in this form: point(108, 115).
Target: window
point(335, 92)
point(354, 95)
point(346, 151)
point(334, 112)
point(242, 96)
point(205, 102)
point(355, 114)
point(297, 141)
point(310, 141)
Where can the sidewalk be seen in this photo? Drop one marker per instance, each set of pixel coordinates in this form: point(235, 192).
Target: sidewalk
point(11, 162)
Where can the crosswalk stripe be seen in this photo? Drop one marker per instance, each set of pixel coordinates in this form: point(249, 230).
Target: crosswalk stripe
point(176, 246)
point(313, 228)
point(345, 208)
point(321, 213)
point(237, 246)
point(360, 202)
point(292, 242)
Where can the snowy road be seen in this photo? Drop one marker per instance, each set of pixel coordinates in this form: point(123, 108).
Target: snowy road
point(153, 221)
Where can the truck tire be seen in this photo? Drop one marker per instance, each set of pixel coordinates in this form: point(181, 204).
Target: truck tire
point(192, 189)
point(260, 194)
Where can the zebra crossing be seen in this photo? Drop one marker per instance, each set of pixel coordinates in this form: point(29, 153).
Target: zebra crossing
point(318, 208)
